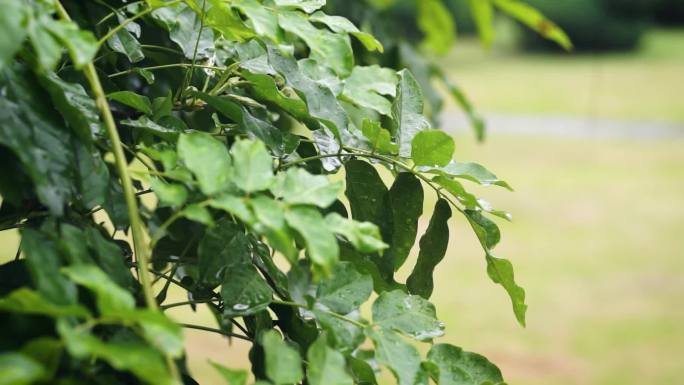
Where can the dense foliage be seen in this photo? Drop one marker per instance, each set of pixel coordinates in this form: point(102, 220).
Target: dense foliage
point(232, 149)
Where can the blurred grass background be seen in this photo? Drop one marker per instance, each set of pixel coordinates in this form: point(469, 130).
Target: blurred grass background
point(597, 232)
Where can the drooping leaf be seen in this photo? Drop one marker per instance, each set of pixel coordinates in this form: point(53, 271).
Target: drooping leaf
point(501, 272)
point(171, 194)
point(345, 289)
point(208, 159)
point(365, 190)
point(126, 43)
point(343, 335)
point(253, 166)
point(365, 236)
point(432, 148)
point(342, 25)
point(12, 29)
point(120, 355)
point(232, 376)
point(27, 301)
point(264, 21)
point(435, 21)
point(111, 299)
point(487, 231)
point(532, 18)
point(408, 314)
point(297, 186)
point(407, 111)
point(244, 291)
point(283, 362)
point(406, 204)
point(307, 6)
point(160, 331)
point(458, 367)
point(270, 221)
point(433, 246)
point(131, 99)
point(321, 244)
point(326, 366)
point(43, 263)
point(398, 355)
point(483, 15)
point(470, 171)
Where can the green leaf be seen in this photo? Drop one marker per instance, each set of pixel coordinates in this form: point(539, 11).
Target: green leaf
point(307, 6)
point(77, 108)
point(198, 213)
point(365, 236)
point(501, 272)
point(222, 247)
point(283, 362)
point(270, 215)
point(321, 244)
point(532, 18)
point(253, 166)
point(487, 231)
point(159, 130)
point(131, 99)
point(343, 25)
point(366, 86)
point(432, 148)
point(457, 367)
point(476, 120)
point(326, 366)
point(264, 87)
point(208, 159)
point(28, 301)
point(344, 335)
point(435, 21)
point(169, 194)
point(433, 246)
point(456, 189)
point(331, 49)
point(184, 26)
point(365, 190)
point(345, 289)
point(406, 204)
point(232, 376)
point(92, 179)
point(18, 368)
point(320, 100)
point(235, 206)
point(409, 314)
point(264, 21)
point(111, 299)
point(43, 262)
point(13, 20)
point(227, 22)
point(379, 139)
point(125, 43)
point(120, 355)
point(483, 13)
point(81, 45)
point(297, 186)
point(244, 291)
point(158, 330)
point(407, 111)
point(399, 356)
point(470, 171)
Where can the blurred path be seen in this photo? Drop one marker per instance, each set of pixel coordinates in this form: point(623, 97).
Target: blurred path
point(567, 126)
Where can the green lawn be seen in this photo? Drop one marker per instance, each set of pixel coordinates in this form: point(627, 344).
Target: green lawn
point(646, 85)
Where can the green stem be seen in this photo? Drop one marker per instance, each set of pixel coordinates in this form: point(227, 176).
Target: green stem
point(183, 303)
point(130, 20)
point(338, 316)
point(137, 230)
point(218, 331)
point(165, 66)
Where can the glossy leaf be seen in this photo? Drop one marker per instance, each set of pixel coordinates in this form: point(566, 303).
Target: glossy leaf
point(398, 355)
point(458, 367)
point(470, 171)
point(408, 314)
point(501, 272)
point(222, 247)
point(126, 43)
point(365, 236)
point(345, 289)
point(367, 86)
point(406, 203)
point(433, 247)
point(244, 291)
point(131, 99)
point(307, 6)
point(342, 25)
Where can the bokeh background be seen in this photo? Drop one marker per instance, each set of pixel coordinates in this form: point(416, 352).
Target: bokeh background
point(593, 143)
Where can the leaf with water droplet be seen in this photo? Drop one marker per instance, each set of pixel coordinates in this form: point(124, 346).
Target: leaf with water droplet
point(409, 314)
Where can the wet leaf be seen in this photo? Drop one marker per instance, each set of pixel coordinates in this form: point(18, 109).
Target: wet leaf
point(457, 367)
point(283, 362)
point(408, 314)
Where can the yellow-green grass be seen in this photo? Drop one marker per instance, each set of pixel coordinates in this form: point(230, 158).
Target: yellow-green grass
point(596, 241)
point(644, 85)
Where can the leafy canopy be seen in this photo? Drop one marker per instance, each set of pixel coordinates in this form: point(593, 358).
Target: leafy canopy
point(193, 142)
